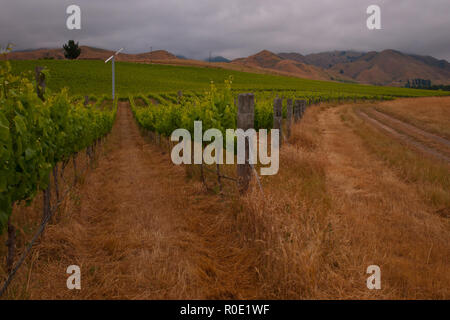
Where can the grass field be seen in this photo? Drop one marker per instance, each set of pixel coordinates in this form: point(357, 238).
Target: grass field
point(94, 77)
point(348, 194)
point(435, 119)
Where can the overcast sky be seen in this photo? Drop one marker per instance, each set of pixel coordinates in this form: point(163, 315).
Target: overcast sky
point(232, 28)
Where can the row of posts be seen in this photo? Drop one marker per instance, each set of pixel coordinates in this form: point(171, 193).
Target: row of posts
point(295, 110)
point(246, 119)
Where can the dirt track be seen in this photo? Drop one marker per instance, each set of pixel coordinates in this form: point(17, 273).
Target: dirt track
point(419, 139)
point(141, 232)
point(412, 129)
point(383, 219)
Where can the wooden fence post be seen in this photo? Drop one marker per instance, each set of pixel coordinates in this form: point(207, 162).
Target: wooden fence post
point(289, 117)
point(302, 108)
point(245, 120)
point(278, 116)
point(297, 110)
point(86, 100)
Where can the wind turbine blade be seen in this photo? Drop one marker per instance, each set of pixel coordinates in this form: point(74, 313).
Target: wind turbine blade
point(106, 61)
point(118, 51)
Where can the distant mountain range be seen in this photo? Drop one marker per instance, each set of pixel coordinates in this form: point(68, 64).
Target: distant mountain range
point(323, 60)
point(388, 67)
point(298, 67)
point(217, 59)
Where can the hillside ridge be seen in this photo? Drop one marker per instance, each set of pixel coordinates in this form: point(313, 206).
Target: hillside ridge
point(387, 67)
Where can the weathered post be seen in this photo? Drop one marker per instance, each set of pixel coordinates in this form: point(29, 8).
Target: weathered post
point(278, 116)
point(297, 110)
point(302, 108)
point(289, 116)
point(180, 95)
point(245, 120)
point(113, 77)
point(86, 100)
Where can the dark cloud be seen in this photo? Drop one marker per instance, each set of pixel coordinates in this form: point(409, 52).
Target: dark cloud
point(231, 28)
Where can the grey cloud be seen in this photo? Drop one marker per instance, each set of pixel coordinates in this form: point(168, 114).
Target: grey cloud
point(232, 28)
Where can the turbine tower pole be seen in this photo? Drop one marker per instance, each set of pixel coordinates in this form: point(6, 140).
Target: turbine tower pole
point(113, 77)
point(112, 59)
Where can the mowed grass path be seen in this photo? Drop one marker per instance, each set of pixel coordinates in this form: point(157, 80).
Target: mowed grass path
point(94, 77)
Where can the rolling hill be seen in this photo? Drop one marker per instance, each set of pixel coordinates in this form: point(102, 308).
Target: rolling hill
point(217, 59)
point(391, 67)
point(388, 67)
point(93, 77)
point(286, 68)
point(90, 53)
point(324, 59)
point(268, 60)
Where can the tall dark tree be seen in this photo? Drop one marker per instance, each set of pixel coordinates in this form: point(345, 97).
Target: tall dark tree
point(71, 50)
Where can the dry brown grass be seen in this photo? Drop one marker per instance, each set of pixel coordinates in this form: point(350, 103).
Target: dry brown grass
point(138, 230)
point(141, 229)
point(334, 209)
point(431, 178)
point(430, 114)
point(423, 141)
